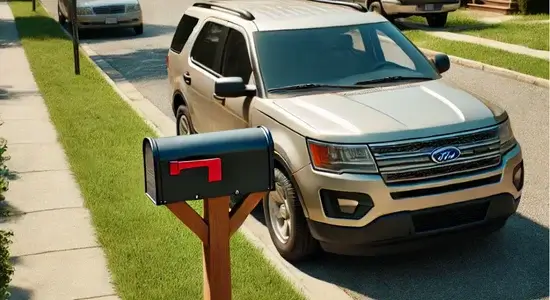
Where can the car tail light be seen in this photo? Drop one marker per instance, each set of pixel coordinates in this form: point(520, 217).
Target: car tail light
point(167, 61)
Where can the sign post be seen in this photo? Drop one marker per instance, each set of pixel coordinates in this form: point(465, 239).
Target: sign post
point(211, 166)
point(74, 29)
point(33, 5)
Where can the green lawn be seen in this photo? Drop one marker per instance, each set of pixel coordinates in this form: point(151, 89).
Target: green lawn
point(150, 253)
point(536, 17)
point(516, 62)
point(531, 35)
point(518, 31)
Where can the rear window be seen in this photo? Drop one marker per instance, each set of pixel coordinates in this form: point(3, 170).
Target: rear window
point(183, 31)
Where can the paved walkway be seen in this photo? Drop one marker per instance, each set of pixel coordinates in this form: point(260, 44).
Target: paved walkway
point(444, 34)
point(491, 43)
point(55, 253)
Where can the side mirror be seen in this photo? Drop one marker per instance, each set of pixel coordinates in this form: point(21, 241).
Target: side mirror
point(232, 87)
point(441, 62)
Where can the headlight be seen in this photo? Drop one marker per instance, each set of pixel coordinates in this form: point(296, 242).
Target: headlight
point(133, 7)
point(81, 11)
point(341, 158)
point(506, 136)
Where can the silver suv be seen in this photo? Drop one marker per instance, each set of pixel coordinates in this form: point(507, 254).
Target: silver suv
point(373, 150)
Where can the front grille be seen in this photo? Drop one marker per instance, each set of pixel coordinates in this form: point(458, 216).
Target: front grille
point(109, 9)
point(410, 161)
point(451, 216)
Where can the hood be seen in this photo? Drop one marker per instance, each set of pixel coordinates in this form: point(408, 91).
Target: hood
point(388, 113)
point(105, 2)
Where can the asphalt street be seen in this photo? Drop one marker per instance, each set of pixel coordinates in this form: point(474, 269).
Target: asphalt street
point(512, 264)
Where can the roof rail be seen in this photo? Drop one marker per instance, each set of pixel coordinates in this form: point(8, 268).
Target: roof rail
point(353, 5)
point(211, 5)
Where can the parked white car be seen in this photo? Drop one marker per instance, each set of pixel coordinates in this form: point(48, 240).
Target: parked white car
point(103, 14)
point(435, 11)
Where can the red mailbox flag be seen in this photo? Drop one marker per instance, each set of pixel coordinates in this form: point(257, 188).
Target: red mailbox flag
point(214, 166)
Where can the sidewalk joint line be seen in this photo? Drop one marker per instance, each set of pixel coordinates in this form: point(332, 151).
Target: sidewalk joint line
point(41, 171)
point(34, 143)
point(96, 297)
point(18, 214)
point(56, 251)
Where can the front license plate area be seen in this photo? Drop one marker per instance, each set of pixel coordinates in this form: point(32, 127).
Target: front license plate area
point(111, 21)
point(429, 7)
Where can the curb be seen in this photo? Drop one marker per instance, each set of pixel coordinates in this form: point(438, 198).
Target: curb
point(164, 126)
point(492, 69)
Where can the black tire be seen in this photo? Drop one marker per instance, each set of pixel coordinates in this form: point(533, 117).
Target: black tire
point(300, 244)
point(138, 29)
point(60, 17)
point(182, 118)
point(437, 20)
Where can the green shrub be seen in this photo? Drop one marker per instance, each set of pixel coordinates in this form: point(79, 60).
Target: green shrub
point(528, 7)
point(4, 172)
point(6, 269)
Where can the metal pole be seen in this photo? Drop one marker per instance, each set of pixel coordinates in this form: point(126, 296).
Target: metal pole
point(33, 5)
point(74, 27)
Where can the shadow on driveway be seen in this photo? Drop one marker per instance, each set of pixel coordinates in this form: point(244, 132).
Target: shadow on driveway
point(138, 65)
point(509, 264)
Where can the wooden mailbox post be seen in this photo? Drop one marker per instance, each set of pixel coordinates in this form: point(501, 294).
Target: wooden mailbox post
point(212, 167)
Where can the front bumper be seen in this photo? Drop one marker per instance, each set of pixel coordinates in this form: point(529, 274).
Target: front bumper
point(395, 7)
point(403, 200)
point(101, 21)
point(412, 230)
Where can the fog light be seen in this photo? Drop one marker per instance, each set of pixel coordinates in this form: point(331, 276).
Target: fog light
point(348, 206)
point(518, 176)
point(345, 205)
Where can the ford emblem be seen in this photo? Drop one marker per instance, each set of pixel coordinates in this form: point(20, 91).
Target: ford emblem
point(445, 154)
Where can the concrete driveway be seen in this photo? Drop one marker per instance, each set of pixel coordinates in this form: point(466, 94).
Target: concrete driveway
point(512, 264)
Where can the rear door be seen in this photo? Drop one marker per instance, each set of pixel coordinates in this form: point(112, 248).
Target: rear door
point(177, 63)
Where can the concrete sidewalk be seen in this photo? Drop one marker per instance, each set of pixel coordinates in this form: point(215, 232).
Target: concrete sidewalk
point(55, 252)
point(459, 37)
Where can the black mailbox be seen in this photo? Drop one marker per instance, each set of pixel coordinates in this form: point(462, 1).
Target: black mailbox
point(208, 165)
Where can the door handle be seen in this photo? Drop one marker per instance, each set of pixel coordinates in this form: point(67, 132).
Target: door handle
point(218, 97)
point(187, 78)
point(222, 99)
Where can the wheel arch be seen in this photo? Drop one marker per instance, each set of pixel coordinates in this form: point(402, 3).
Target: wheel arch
point(178, 99)
point(281, 164)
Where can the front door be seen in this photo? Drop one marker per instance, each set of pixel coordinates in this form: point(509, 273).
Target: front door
point(235, 63)
point(204, 67)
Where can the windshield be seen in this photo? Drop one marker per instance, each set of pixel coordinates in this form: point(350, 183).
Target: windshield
point(346, 55)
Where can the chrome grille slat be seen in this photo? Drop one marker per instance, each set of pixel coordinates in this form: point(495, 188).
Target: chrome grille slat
point(411, 160)
point(494, 143)
point(416, 178)
point(428, 166)
point(426, 160)
point(109, 9)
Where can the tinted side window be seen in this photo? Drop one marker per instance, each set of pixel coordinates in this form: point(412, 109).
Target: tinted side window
point(236, 62)
point(208, 45)
point(183, 31)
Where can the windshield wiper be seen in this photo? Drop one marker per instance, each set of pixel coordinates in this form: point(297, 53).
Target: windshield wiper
point(306, 86)
point(392, 79)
